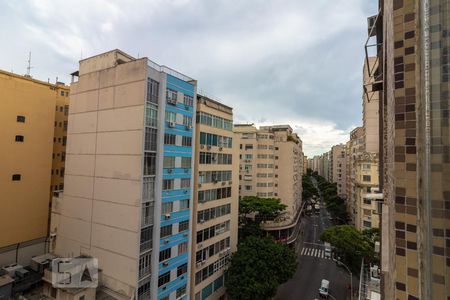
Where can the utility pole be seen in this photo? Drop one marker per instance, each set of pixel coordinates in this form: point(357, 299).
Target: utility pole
point(29, 65)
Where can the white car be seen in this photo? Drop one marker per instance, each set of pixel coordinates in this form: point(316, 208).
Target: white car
point(324, 287)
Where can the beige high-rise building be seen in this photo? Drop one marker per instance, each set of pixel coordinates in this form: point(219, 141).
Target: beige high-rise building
point(216, 198)
point(338, 164)
point(33, 118)
point(413, 50)
point(127, 198)
point(271, 165)
point(354, 148)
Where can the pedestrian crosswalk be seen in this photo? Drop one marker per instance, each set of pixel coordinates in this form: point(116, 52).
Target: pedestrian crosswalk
point(315, 252)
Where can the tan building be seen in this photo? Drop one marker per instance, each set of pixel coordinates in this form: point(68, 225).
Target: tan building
point(128, 181)
point(271, 165)
point(354, 148)
point(415, 143)
point(33, 114)
point(305, 163)
point(338, 164)
point(216, 198)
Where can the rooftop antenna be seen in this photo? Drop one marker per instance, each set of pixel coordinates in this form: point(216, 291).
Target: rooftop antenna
point(29, 65)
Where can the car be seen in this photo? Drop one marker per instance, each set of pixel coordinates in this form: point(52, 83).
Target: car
point(324, 288)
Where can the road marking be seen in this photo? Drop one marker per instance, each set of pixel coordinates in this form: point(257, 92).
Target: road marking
point(313, 252)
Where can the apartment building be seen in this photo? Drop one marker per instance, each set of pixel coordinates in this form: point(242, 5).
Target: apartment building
point(271, 165)
point(216, 199)
point(337, 167)
point(354, 147)
point(305, 163)
point(33, 119)
point(127, 198)
point(415, 167)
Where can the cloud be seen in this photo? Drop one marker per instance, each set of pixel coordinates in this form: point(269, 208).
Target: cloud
point(296, 60)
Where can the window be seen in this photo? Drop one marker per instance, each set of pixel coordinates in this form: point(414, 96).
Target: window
point(167, 208)
point(185, 183)
point(82, 297)
point(145, 263)
point(367, 201)
point(146, 238)
point(366, 167)
point(62, 93)
point(186, 141)
point(64, 140)
point(152, 91)
point(367, 224)
point(66, 110)
point(188, 100)
point(171, 96)
point(163, 279)
point(183, 225)
point(214, 121)
point(181, 270)
point(150, 139)
point(21, 119)
point(165, 254)
point(248, 146)
point(366, 178)
point(61, 172)
point(187, 121)
point(181, 291)
point(248, 187)
point(147, 213)
point(184, 204)
point(169, 162)
point(248, 156)
point(166, 231)
point(171, 116)
point(168, 184)
point(65, 125)
point(151, 116)
point(16, 177)
point(169, 139)
point(149, 189)
point(149, 163)
point(182, 248)
point(185, 162)
point(19, 138)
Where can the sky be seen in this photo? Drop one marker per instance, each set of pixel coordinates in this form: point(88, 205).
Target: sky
point(296, 62)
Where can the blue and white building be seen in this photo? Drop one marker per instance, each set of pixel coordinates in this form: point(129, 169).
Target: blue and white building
point(129, 176)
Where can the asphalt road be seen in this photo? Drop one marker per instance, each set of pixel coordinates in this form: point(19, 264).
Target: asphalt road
point(313, 266)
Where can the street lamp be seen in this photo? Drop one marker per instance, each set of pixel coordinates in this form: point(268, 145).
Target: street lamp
point(351, 277)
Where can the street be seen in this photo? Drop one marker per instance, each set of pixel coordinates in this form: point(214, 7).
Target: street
point(313, 266)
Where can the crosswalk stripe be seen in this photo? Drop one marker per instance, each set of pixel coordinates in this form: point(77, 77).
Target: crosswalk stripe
point(321, 254)
point(314, 252)
point(303, 251)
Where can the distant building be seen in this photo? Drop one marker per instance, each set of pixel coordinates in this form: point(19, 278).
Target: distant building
point(33, 118)
point(271, 165)
point(338, 168)
point(216, 198)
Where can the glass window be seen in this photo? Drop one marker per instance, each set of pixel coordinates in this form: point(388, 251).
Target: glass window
point(187, 121)
point(165, 254)
point(166, 231)
point(163, 279)
point(185, 162)
point(188, 100)
point(149, 163)
point(168, 184)
point(181, 292)
point(184, 204)
point(150, 139)
point(186, 141)
point(21, 119)
point(171, 116)
point(185, 183)
point(149, 189)
point(182, 248)
point(171, 96)
point(152, 91)
point(181, 269)
point(183, 225)
point(169, 162)
point(151, 116)
point(166, 208)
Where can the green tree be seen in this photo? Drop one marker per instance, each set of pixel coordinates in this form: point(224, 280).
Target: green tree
point(263, 208)
point(258, 267)
point(350, 245)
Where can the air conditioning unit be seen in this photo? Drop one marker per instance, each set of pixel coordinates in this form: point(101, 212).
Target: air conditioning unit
point(172, 101)
point(167, 216)
point(201, 221)
point(169, 171)
point(190, 126)
point(185, 191)
point(166, 241)
point(172, 124)
point(199, 185)
point(186, 170)
point(223, 182)
point(220, 148)
point(221, 254)
point(202, 201)
point(230, 182)
point(208, 147)
point(203, 262)
point(187, 127)
point(199, 246)
point(165, 264)
point(185, 235)
point(215, 181)
point(202, 146)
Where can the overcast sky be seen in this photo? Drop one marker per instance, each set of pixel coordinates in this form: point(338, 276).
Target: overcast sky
point(293, 62)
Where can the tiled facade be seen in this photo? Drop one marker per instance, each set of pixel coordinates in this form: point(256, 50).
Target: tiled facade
point(216, 198)
point(337, 169)
point(415, 158)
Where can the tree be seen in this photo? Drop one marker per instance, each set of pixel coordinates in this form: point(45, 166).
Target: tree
point(258, 267)
point(263, 208)
point(350, 244)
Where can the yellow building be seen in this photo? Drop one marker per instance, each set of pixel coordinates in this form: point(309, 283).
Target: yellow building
point(33, 114)
point(216, 194)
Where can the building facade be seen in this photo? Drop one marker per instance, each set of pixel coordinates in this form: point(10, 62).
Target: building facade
point(354, 148)
point(216, 199)
point(271, 165)
point(33, 136)
point(128, 191)
point(337, 167)
point(415, 144)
